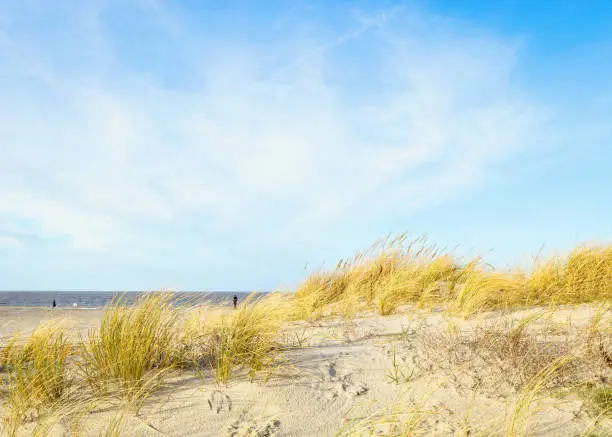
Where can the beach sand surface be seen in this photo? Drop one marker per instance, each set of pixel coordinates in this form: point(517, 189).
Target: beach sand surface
point(341, 376)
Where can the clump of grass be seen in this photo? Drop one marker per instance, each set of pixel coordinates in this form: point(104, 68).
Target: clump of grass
point(546, 278)
point(8, 353)
point(516, 422)
point(602, 400)
point(599, 338)
point(395, 271)
point(131, 342)
point(396, 374)
point(585, 275)
point(37, 375)
point(483, 289)
point(588, 274)
point(389, 292)
point(507, 354)
point(298, 338)
point(127, 358)
point(246, 337)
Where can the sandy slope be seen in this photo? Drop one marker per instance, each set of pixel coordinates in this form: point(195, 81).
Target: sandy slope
point(341, 373)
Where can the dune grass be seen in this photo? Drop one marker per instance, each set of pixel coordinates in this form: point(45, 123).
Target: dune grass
point(544, 375)
point(132, 341)
point(602, 398)
point(246, 337)
point(50, 381)
point(397, 271)
point(38, 378)
point(517, 417)
point(510, 352)
point(392, 271)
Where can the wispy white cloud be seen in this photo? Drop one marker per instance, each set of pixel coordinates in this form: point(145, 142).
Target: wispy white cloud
point(269, 141)
point(9, 243)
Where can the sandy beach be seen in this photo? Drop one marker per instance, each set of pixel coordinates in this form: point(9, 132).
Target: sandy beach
point(352, 376)
point(24, 320)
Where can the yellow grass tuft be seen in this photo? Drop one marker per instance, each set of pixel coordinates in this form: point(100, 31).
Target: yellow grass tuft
point(588, 274)
point(246, 337)
point(130, 344)
point(484, 289)
point(391, 272)
point(517, 418)
point(396, 271)
point(53, 383)
point(37, 374)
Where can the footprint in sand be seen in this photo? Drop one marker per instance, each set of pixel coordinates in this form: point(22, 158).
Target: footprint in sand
point(253, 427)
point(219, 401)
point(335, 383)
point(332, 370)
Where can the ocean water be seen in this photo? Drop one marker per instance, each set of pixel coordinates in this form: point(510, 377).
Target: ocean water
point(99, 299)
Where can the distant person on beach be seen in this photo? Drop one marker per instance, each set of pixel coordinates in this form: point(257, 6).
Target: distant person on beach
point(235, 301)
point(53, 303)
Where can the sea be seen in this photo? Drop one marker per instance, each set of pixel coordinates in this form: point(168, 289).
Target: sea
point(100, 299)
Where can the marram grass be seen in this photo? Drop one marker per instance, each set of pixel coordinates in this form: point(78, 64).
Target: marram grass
point(396, 271)
point(49, 380)
point(37, 375)
point(130, 343)
point(246, 337)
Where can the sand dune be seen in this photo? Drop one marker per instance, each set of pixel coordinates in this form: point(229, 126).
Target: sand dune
point(339, 378)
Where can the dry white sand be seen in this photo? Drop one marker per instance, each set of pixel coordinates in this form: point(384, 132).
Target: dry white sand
point(341, 373)
point(23, 320)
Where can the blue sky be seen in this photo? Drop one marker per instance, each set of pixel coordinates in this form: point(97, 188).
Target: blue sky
point(242, 144)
